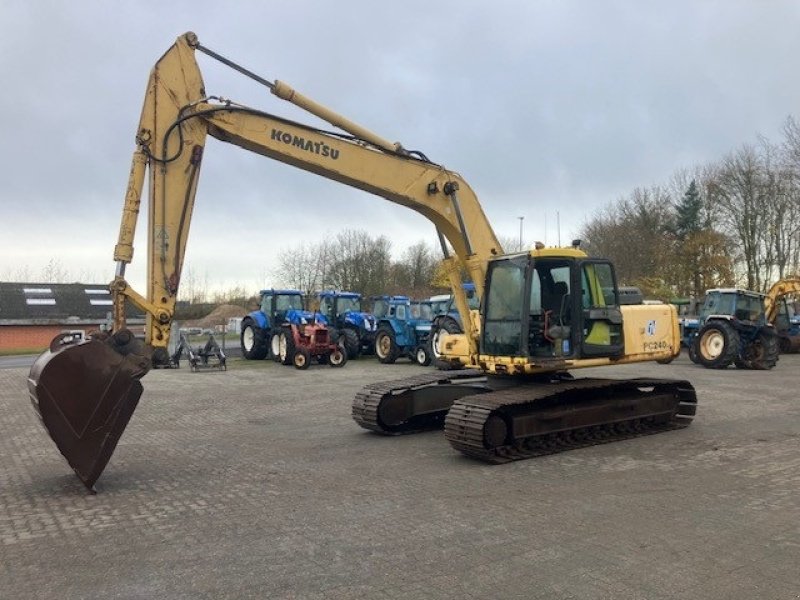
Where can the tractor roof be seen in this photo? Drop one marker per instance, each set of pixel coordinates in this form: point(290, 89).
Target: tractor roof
point(735, 291)
point(392, 298)
point(336, 294)
point(282, 292)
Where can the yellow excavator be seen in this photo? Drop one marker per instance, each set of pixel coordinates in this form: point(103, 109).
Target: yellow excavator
point(543, 312)
point(779, 290)
point(777, 314)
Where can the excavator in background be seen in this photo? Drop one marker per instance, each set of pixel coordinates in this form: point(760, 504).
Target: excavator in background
point(544, 312)
point(774, 301)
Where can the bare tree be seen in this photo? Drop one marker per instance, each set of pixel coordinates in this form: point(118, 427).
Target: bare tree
point(361, 264)
point(788, 209)
point(634, 234)
point(54, 272)
point(188, 284)
point(414, 272)
point(752, 191)
point(306, 266)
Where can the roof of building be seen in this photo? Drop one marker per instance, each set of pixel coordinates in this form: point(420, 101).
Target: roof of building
point(57, 303)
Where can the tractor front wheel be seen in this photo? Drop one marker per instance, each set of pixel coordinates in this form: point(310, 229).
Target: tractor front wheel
point(423, 355)
point(337, 357)
point(717, 345)
point(693, 352)
point(301, 359)
point(286, 347)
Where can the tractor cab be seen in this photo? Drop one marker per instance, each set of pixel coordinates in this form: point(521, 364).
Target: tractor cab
point(333, 304)
point(277, 303)
point(343, 310)
point(391, 307)
point(733, 303)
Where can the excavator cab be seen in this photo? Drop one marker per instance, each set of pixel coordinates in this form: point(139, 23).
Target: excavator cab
point(541, 307)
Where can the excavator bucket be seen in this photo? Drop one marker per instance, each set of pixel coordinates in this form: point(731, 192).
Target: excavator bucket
point(85, 393)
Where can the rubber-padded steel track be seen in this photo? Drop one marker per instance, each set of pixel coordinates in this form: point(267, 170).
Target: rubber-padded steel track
point(369, 405)
point(533, 420)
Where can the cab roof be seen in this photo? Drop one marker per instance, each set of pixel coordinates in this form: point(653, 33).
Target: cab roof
point(282, 292)
point(334, 293)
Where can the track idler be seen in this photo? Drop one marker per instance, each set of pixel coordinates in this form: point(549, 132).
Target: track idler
point(85, 393)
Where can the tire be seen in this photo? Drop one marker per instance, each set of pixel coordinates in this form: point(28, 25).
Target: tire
point(693, 353)
point(386, 346)
point(253, 340)
point(762, 353)
point(275, 347)
point(423, 355)
point(301, 359)
point(717, 345)
point(338, 357)
point(286, 345)
point(349, 339)
point(441, 330)
point(785, 345)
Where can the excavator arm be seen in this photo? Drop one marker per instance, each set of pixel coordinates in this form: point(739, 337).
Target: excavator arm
point(177, 118)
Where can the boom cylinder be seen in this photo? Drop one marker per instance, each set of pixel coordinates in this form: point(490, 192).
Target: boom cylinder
point(286, 92)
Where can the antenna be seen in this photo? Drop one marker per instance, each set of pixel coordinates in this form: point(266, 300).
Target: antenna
point(558, 224)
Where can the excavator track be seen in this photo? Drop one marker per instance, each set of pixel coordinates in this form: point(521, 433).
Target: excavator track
point(536, 419)
point(416, 403)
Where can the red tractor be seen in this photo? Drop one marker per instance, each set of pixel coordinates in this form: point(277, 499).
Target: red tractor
point(304, 337)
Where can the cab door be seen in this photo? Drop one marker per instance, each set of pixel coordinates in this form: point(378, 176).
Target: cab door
point(601, 316)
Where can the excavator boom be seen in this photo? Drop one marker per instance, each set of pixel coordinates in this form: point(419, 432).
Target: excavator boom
point(781, 288)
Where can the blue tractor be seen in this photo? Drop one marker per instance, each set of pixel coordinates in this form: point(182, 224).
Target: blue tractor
point(446, 319)
point(403, 330)
point(734, 330)
point(261, 328)
point(354, 327)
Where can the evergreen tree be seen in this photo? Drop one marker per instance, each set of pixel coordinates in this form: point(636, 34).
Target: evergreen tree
point(688, 212)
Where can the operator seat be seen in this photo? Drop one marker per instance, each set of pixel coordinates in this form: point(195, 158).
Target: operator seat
point(559, 328)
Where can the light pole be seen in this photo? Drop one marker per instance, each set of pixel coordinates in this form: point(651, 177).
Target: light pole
point(520, 232)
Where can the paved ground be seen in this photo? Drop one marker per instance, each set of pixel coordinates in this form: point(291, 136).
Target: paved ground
point(256, 483)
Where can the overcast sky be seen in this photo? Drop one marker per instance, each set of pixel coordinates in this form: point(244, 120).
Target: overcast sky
point(545, 107)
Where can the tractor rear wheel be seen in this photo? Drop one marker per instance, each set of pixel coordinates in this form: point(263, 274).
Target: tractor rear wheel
point(386, 346)
point(444, 328)
point(338, 357)
point(717, 345)
point(762, 353)
point(253, 340)
point(275, 347)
